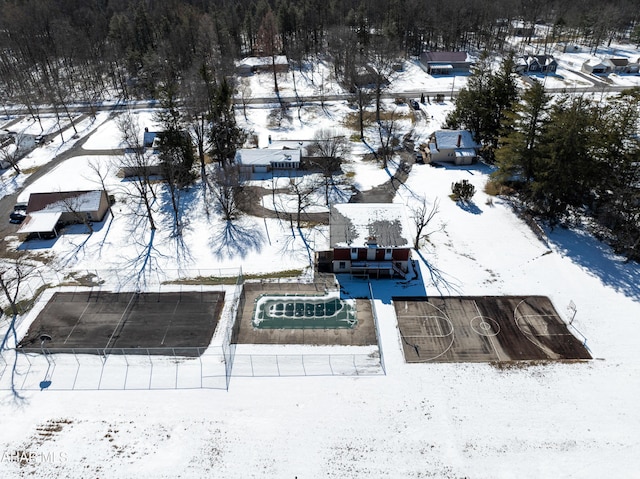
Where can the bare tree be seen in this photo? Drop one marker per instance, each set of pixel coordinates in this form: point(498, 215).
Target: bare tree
point(387, 131)
point(383, 54)
point(72, 203)
point(422, 215)
point(13, 274)
point(101, 171)
point(304, 191)
point(327, 152)
point(270, 43)
point(138, 164)
point(228, 190)
point(11, 155)
point(245, 95)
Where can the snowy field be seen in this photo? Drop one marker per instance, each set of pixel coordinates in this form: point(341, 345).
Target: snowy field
point(553, 420)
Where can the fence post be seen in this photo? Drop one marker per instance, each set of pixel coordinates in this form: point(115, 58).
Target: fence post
point(151, 369)
point(176, 361)
point(126, 373)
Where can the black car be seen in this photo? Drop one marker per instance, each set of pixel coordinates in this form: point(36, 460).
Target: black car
point(17, 217)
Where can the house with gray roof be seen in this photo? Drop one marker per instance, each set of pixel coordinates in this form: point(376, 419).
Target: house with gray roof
point(445, 63)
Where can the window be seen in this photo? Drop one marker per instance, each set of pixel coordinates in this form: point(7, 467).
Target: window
point(342, 265)
point(354, 253)
point(387, 254)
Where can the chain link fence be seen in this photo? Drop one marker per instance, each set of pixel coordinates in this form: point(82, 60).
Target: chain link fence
point(23, 369)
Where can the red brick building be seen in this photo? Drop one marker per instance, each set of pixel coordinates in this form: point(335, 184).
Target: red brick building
point(369, 240)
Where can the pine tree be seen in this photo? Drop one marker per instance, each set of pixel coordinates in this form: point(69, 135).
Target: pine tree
point(521, 135)
point(480, 106)
point(568, 169)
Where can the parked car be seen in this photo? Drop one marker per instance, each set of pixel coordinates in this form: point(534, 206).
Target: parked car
point(415, 105)
point(17, 217)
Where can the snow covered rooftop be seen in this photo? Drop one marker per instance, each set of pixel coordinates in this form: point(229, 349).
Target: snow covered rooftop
point(40, 222)
point(449, 139)
point(262, 61)
point(352, 224)
point(266, 156)
point(65, 201)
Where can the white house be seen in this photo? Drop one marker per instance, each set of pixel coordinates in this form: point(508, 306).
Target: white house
point(597, 66)
point(452, 146)
point(623, 65)
point(263, 160)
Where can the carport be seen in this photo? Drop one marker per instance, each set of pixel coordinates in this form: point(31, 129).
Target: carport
point(40, 222)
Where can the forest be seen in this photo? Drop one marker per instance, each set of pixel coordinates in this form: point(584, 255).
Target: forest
point(54, 51)
point(567, 158)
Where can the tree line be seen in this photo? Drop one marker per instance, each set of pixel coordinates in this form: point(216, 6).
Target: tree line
point(570, 158)
point(57, 51)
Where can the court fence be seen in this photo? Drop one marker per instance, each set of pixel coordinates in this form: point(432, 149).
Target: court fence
point(34, 368)
point(165, 368)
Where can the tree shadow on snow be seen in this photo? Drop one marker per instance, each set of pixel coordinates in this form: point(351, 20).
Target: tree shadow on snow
point(469, 207)
point(232, 238)
point(599, 260)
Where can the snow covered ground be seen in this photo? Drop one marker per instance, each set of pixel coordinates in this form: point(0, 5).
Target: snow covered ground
point(554, 420)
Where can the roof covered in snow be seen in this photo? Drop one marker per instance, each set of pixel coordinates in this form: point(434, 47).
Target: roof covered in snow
point(64, 201)
point(266, 156)
point(263, 61)
point(40, 222)
point(451, 139)
point(353, 224)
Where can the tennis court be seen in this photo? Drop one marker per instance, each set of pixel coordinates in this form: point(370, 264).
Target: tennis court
point(104, 322)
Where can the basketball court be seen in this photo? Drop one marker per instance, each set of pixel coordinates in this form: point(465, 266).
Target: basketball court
point(102, 322)
point(484, 329)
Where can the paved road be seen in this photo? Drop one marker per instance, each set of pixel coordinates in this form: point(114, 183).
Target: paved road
point(598, 87)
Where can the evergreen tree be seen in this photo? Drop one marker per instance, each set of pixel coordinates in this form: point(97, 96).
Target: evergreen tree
point(568, 169)
point(521, 135)
point(480, 106)
point(226, 136)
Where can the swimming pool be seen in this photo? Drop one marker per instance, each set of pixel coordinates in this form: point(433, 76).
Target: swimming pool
point(304, 312)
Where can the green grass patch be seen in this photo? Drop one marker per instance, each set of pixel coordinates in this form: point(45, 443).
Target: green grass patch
point(88, 279)
point(352, 119)
point(26, 304)
point(214, 280)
